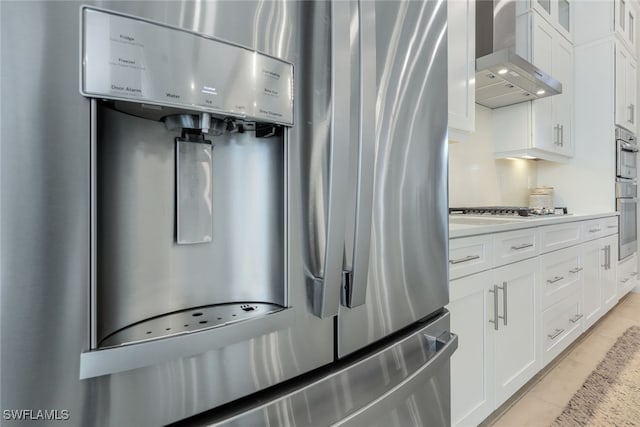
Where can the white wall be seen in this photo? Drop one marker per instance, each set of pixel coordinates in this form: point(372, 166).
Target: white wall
point(477, 179)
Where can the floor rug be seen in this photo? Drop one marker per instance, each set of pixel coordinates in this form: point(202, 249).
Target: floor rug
point(610, 396)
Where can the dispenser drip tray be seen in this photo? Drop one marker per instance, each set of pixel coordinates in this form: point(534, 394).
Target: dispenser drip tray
point(188, 321)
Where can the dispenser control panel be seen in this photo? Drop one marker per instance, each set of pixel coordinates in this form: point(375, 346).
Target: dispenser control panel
point(131, 59)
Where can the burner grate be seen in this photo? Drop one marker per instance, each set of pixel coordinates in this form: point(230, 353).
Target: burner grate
point(506, 211)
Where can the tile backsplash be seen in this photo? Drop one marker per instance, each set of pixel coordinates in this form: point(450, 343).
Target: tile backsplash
point(477, 179)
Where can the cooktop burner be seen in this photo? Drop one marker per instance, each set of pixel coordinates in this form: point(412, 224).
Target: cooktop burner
point(507, 211)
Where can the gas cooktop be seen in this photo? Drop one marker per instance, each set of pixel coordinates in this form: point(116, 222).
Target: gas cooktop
point(507, 211)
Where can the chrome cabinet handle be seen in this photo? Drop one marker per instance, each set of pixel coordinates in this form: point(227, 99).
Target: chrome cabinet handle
point(503, 288)
point(594, 230)
point(562, 135)
point(608, 257)
point(556, 130)
point(555, 279)
point(465, 259)
point(576, 270)
point(612, 226)
point(631, 109)
point(576, 318)
point(555, 334)
point(522, 246)
point(494, 291)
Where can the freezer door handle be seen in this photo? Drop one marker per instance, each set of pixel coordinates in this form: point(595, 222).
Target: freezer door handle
point(442, 348)
point(356, 288)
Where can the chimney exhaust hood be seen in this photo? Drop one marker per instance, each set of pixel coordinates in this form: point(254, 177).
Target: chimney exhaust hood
point(502, 76)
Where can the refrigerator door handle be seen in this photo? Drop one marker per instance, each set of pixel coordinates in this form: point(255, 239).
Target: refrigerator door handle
point(326, 284)
point(444, 347)
point(356, 287)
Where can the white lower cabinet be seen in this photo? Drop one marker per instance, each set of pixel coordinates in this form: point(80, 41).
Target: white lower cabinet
point(472, 365)
point(578, 285)
point(513, 315)
point(493, 313)
point(593, 295)
point(515, 341)
point(610, 296)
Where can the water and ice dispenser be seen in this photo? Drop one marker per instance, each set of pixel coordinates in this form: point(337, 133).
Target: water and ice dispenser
point(188, 179)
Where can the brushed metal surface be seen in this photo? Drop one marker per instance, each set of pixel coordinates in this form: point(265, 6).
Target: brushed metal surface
point(44, 190)
point(45, 193)
point(403, 384)
point(185, 344)
point(128, 58)
point(407, 277)
point(142, 272)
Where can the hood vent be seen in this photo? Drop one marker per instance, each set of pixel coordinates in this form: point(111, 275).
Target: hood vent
point(502, 76)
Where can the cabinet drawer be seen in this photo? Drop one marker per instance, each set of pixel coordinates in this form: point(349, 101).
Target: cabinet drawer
point(596, 228)
point(469, 255)
point(515, 246)
point(560, 275)
point(561, 325)
point(593, 229)
point(610, 225)
point(559, 236)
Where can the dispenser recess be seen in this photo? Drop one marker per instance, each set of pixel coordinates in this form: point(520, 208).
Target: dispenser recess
point(188, 178)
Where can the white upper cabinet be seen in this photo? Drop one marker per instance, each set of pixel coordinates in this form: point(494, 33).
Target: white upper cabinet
point(626, 89)
point(597, 19)
point(557, 12)
point(625, 22)
point(542, 127)
point(462, 58)
point(562, 105)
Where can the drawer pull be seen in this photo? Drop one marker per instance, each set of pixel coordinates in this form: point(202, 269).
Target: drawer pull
point(555, 334)
point(575, 319)
point(465, 259)
point(612, 226)
point(555, 279)
point(522, 246)
point(594, 230)
point(576, 270)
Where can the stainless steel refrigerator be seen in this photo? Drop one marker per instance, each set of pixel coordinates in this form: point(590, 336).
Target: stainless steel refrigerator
point(233, 210)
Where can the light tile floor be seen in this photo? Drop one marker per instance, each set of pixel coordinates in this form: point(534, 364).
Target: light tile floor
point(546, 397)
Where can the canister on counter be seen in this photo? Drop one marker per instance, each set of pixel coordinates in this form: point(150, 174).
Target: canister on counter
point(541, 198)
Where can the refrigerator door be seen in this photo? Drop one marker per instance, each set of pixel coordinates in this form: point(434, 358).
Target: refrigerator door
point(405, 217)
point(414, 391)
point(45, 217)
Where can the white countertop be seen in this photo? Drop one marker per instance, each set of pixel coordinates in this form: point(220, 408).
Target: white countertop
point(466, 225)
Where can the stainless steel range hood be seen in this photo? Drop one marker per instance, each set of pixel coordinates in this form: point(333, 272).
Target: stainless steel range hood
point(502, 76)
